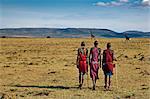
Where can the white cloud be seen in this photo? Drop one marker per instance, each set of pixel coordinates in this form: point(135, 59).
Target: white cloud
point(125, 1)
point(145, 0)
point(146, 3)
point(143, 3)
point(101, 4)
point(112, 3)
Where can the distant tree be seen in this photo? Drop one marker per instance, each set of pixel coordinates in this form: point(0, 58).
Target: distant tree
point(48, 37)
point(3, 37)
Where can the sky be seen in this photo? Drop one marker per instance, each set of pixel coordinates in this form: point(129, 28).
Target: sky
point(117, 15)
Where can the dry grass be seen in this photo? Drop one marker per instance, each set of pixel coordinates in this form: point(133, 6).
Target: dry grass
point(39, 68)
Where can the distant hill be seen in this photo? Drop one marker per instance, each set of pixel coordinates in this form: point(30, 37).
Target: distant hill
point(69, 33)
point(137, 34)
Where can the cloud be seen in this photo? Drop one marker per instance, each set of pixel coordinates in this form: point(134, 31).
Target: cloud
point(112, 3)
point(125, 1)
point(146, 3)
point(101, 4)
point(143, 3)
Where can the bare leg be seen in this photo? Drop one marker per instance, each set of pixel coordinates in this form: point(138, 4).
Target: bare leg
point(97, 75)
point(79, 78)
point(94, 83)
point(80, 84)
point(105, 81)
point(94, 80)
point(109, 81)
point(82, 79)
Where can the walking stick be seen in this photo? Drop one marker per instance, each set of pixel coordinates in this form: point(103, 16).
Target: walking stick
point(116, 75)
point(87, 79)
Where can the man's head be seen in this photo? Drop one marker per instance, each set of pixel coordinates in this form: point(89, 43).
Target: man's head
point(95, 43)
point(83, 44)
point(108, 45)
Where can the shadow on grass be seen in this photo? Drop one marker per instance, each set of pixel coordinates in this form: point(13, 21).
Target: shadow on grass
point(56, 87)
point(49, 87)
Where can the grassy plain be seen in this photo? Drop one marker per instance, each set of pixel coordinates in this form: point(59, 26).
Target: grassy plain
point(44, 68)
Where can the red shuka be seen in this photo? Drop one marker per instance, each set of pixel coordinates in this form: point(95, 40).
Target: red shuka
point(82, 63)
point(109, 60)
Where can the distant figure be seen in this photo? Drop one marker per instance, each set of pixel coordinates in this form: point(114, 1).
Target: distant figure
point(94, 62)
point(82, 63)
point(107, 62)
point(127, 38)
point(92, 36)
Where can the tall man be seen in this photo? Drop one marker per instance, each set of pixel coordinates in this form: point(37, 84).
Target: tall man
point(94, 62)
point(108, 58)
point(82, 63)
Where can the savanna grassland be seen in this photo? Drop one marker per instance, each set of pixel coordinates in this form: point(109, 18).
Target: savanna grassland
point(45, 68)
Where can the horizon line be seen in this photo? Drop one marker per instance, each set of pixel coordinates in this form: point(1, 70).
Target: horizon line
point(72, 28)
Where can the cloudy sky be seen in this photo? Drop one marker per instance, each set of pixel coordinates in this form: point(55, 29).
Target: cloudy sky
point(118, 15)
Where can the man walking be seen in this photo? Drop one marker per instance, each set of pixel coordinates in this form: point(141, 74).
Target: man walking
point(94, 62)
point(82, 63)
point(108, 58)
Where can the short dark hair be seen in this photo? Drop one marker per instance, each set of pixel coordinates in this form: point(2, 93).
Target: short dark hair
point(108, 45)
point(96, 43)
point(82, 43)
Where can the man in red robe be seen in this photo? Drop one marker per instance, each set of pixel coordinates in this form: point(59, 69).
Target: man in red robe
point(108, 58)
point(94, 62)
point(82, 63)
